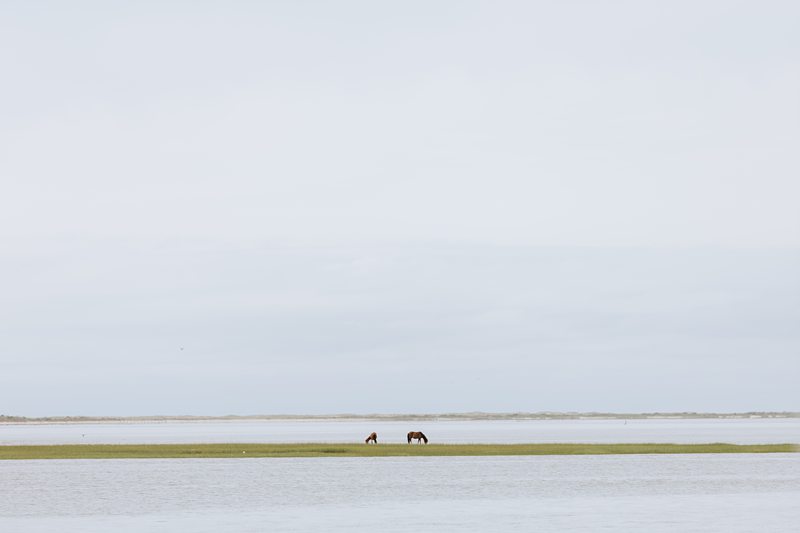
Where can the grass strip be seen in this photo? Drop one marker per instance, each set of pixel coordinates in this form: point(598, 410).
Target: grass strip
point(156, 451)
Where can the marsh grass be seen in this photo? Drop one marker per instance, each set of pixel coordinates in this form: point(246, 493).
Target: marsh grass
point(153, 451)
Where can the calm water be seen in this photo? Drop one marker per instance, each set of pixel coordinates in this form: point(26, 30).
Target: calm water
point(740, 431)
point(666, 493)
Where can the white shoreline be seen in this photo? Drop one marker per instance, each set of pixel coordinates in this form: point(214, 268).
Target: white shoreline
point(443, 417)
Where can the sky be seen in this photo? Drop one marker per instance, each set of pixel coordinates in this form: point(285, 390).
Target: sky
point(329, 207)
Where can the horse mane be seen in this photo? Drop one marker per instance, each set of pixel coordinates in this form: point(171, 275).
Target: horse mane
point(421, 434)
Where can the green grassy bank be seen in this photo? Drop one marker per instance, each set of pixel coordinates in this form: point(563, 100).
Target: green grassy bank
point(137, 451)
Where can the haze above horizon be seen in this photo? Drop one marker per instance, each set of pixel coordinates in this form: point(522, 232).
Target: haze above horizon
point(356, 207)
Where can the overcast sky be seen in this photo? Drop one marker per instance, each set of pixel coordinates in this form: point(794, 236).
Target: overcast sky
point(322, 207)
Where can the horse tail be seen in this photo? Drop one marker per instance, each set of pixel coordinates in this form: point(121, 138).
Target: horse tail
point(409, 437)
point(421, 434)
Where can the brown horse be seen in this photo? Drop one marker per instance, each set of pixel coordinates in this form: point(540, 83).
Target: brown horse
point(420, 436)
point(372, 437)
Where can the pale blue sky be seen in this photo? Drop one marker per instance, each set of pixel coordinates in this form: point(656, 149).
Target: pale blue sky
point(365, 207)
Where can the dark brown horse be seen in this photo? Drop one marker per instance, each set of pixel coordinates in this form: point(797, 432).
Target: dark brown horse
point(372, 437)
point(420, 436)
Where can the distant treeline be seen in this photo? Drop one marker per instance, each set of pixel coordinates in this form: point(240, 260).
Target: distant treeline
point(397, 417)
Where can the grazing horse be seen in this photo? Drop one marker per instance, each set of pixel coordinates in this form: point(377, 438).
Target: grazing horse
point(420, 436)
point(372, 437)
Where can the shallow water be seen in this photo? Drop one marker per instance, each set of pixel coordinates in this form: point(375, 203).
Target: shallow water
point(739, 431)
point(655, 493)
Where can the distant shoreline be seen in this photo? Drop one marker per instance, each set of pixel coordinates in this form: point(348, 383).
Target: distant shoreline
point(444, 417)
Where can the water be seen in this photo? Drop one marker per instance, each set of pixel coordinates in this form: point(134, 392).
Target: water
point(654, 493)
point(738, 431)
point(708, 493)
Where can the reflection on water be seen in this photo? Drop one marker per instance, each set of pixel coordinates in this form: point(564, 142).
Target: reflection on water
point(725, 493)
point(739, 431)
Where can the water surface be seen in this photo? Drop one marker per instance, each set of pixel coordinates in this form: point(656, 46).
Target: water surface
point(736, 431)
point(655, 493)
